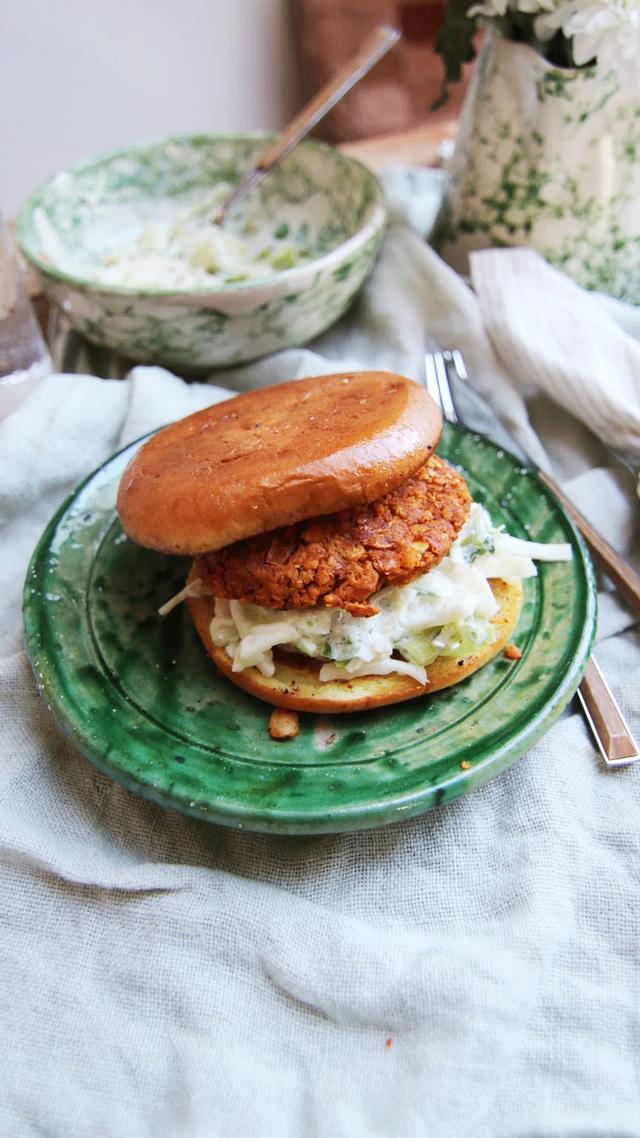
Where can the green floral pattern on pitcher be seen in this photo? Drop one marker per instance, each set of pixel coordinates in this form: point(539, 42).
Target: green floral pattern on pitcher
point(547, 158)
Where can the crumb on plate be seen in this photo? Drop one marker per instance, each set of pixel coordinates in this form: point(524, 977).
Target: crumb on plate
point(512, 652)
point(284, 724)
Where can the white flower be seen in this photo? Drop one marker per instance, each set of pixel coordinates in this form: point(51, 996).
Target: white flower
point(533, 6)
point(490, 10)
point(605, 30)
point(496, 9)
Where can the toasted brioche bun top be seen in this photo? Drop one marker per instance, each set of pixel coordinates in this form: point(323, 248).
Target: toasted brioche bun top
point(276, 456)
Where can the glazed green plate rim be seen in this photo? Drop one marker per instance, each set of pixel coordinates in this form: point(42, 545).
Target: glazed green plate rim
point(386, 807)
point(373, 224)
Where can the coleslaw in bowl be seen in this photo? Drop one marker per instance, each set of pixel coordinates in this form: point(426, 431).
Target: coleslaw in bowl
point(126, 247)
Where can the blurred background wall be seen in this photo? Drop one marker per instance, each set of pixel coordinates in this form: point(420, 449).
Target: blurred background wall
point(400, 93)
point(81, 76)
point(78, 77)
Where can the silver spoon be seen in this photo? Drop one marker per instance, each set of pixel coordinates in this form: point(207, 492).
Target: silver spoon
point(374, 47)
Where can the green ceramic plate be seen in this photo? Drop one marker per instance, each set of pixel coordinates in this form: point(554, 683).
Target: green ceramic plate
point(141, 700)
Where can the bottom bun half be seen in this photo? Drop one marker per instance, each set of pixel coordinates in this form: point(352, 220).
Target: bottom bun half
point(296, 684)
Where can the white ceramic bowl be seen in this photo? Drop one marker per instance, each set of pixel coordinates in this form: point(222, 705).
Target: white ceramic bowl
point(328, 203)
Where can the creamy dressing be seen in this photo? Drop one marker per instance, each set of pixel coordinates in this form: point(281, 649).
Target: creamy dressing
point(445, 612)
point(182, 248)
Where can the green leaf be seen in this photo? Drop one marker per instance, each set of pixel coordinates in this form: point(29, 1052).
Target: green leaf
point(454, 43)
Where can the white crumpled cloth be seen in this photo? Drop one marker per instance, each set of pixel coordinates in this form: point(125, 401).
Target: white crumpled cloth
point(470, 974)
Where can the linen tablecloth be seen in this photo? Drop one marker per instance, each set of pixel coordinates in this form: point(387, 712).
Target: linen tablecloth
point(473, 973)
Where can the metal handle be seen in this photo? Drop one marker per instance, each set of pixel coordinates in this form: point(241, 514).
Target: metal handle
point(374, 47)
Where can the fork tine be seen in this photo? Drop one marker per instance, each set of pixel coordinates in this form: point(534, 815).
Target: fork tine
point(458, 363)
point(437, 383)
point(446, 398)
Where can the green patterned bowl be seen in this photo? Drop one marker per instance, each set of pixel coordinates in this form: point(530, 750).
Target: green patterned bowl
point(317, 195)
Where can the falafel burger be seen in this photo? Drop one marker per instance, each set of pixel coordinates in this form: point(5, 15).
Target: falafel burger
point(338, 563)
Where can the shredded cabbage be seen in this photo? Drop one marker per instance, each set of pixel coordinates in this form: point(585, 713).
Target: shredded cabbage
point(444, 612)
point(195, 588)
point(182, 248)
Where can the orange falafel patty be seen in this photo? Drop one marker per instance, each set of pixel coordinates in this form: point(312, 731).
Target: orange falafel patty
point(342, 559)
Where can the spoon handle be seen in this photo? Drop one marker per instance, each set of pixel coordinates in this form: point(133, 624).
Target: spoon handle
point(374, 47)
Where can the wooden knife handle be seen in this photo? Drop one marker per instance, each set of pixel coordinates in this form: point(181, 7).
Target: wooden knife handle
point(623, 575)
point(606, 720)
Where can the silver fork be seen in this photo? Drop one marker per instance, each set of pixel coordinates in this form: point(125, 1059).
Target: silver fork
point(610, 729)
